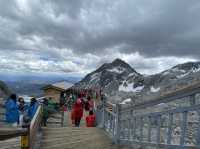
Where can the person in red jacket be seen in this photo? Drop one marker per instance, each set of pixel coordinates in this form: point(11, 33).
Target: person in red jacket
point(77, 112)
point(91, 119)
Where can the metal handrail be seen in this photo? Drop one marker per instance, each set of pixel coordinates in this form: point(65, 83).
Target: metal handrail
point(35, 126)
point(125, 125)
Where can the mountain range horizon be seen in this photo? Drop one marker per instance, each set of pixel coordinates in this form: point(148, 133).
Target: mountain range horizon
point(116, 75)
point(118, 78)
point(20, 76)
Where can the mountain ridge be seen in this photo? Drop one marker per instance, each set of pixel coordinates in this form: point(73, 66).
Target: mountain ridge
point(119, 78)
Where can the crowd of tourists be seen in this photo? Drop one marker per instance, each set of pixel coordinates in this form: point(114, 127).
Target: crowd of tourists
point(16, 109)
point(82, 103)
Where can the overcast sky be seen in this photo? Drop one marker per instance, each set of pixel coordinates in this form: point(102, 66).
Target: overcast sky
point(76, 36)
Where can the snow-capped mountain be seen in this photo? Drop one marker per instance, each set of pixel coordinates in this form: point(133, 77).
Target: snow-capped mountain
point(175, 75)
point(109, 76)
point(120, 79)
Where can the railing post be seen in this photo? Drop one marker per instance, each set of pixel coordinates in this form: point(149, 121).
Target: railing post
point(170, 126)
point(130, 125)
point(117, 133)
point(192, 100)
point(183, 128)
point(103, 114)
point(149, 128)
point(198, 130)
point(62, 118)
point(158, 119)
point(134, 128)
point(141, 129)
point(25, 139)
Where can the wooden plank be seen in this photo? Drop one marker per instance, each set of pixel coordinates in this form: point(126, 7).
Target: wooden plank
point(7, 133)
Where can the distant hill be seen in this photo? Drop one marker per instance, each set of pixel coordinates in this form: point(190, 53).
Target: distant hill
point(31, 84)
point(26, 88)
point(30, 88)
point(4, 90)
point(120, 81)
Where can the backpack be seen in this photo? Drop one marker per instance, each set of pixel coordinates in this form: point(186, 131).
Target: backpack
point(87, 106)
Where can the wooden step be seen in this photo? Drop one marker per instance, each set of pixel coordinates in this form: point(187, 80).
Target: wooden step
point(49, 139)
point(10, 143)
point(75, 143)
point(76, 138)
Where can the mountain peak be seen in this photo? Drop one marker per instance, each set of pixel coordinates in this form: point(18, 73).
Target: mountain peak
point(109, 76)
point(188, 66)
point(117, 66)
point(119, 62)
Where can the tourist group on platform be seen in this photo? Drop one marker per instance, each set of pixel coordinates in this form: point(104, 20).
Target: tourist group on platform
point(17, 109)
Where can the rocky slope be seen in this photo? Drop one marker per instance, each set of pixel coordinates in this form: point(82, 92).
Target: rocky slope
point(120, 81)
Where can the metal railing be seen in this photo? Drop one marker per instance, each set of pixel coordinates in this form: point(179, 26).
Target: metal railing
point(171, 128)
point(34, 127)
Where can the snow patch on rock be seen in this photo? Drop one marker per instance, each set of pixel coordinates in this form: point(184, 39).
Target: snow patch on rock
point(154, 90)
point(138, 89)
point(128, 87)
point(182, 75)
point(196, 70)
point(126, 101)
point(94, 77)
point(117, 70)
point(131, 74)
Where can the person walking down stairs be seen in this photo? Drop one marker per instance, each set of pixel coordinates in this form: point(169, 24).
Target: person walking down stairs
point(77, 112)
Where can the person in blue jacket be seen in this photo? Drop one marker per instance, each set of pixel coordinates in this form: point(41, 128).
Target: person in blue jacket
point(32, 108)
point(12, 111)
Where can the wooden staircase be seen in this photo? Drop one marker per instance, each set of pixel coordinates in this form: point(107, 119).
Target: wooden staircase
point(10, 143)
point(76, 138)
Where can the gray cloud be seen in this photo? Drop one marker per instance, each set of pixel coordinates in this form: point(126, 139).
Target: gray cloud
point(70, 30)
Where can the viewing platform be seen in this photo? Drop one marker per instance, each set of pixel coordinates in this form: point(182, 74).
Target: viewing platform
point(118, 126)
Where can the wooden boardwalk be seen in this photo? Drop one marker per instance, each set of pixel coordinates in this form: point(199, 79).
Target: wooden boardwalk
point(76, 138)
point(57, 137)
point(13, 143)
